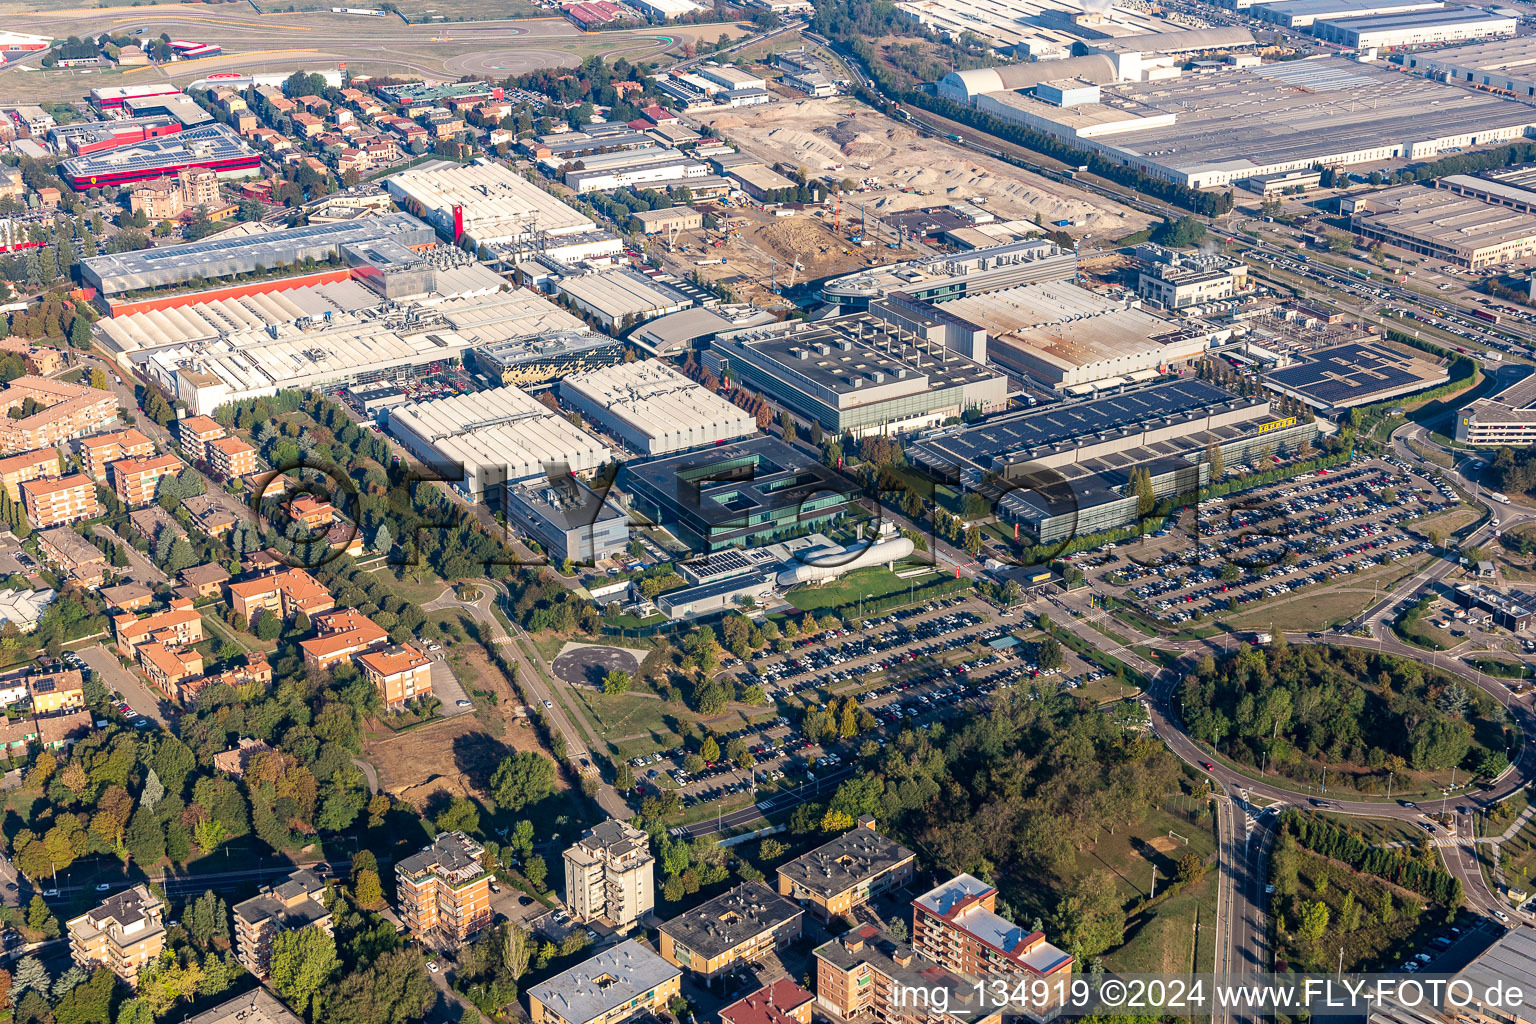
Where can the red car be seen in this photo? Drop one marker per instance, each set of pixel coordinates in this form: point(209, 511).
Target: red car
point(1207, 766)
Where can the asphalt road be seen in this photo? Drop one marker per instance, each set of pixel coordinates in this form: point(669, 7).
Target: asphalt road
point(135, 694)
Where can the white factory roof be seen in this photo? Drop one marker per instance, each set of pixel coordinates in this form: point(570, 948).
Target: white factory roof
point(500, 206)
point(652, 400)
point(517, 314)
point(204, 320)
point(619, 294)
point(1063, 323)
point(501, 427)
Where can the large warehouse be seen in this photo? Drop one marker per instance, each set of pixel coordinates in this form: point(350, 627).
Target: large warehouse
point(948, 275)
point(214, 258)
point(547, 356)
point(495, 207)
point(619, 298)
point(653, 409)
point(1503, 65)
point(380, 342)
point(1443, 223)
point(1506, 418)
point(1210, 130)
point(213, 147)
point(1071, 338)
point(1420, 28)
point(1342, 377)
point(1303, 13)
point(857, 373)
point(486, 439)
point(1066, 468)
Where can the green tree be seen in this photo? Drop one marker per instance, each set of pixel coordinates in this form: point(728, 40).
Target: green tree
point(368, 891)
point(522, 779)
point(616, 682)
point(302, 960)
point(536, 871)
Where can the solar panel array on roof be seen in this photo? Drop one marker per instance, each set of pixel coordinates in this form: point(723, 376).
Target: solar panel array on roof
point(1348, 374)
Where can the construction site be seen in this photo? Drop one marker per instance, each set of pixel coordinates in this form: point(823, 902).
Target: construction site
point(893, 169)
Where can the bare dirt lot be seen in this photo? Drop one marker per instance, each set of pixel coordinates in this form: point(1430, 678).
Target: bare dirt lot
point(454, 756)
point(841, 136)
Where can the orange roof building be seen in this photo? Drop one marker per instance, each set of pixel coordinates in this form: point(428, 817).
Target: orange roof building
point(18, 469)
point(194, 433)
point(98, 451)
point(64, 500)
point(137, 480)
point(180, 625)
point(399, 672)
point(284, 594)
point(231, 457)
point(340, 635)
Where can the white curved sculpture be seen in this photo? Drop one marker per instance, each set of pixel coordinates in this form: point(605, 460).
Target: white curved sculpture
point(831, 562)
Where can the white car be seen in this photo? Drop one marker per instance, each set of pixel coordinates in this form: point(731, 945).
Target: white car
point(549, 703)
point(463, 704)
point(432, 966)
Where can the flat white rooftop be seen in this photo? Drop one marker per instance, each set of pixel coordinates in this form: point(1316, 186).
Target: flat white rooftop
point(500, 206)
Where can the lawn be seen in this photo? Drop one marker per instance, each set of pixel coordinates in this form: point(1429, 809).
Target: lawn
point(1306, 612)
point(866, 584)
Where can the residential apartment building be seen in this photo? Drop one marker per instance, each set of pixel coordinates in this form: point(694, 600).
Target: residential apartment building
point(194, 433)
point(137, 480)
point(736, 927)
point(122, 934)
point(341, 635)
point(237, 758)
point(610, 875)
point(868, 973)
point(782, 1002)
point(833, 879)
point(231, 457)
point(179, 625)
point(42, 464)
point(311, 513)
point(617, 984)
point(54, 691)
point(284, 594)
point(445, 889)
point(64, 500)
point(287, 906)
point(251, 669)
point(399, 672)
point(42, 360)
point(956, 925)
point(167, 665)
point(73, 555)
point(96, 453)
point(67, 411)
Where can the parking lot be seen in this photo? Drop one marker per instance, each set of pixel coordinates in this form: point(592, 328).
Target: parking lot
point(1313, 529)
point(918, 686)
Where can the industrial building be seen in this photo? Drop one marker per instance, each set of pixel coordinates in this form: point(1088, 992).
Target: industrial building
point(547, 356)
point(1339, 378)
point(375, 343)
point(644, 168)
point(1211, 130)
point(499, 209)
point(950, 275)
point(1444, 223)
point(83, 138)
point(1039, 29)
point(1451, 25)
point(1504, 66)
point(1178, 280)
point(1064, 470)
point(671, 334)
point(1506, 418)
point(742, 494)
point(857, 373)
point(218, 257)
point(569, 519)
point(619, 298)
point(1074, 339)
point(1303, 13)
point(653, 409)
point(485, 439)
point(675, 218)
point(214, 147)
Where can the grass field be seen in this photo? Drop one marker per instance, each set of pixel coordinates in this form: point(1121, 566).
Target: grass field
point(869, 584)
point(1307, 611)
